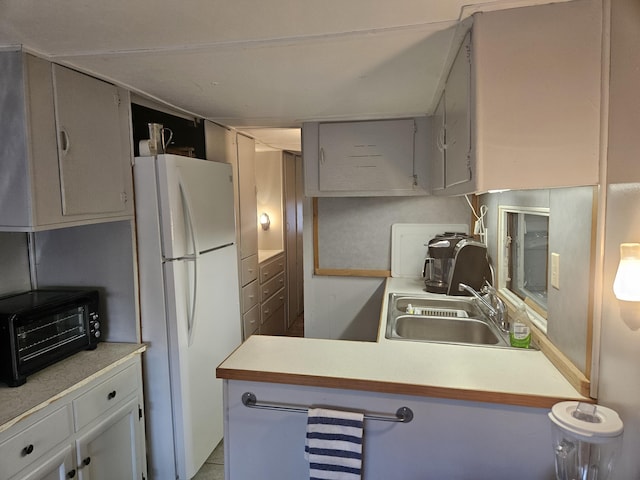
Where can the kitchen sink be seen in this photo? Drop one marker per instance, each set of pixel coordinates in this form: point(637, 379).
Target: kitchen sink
point(443, 319)
point(456, 307)
point(445, 329)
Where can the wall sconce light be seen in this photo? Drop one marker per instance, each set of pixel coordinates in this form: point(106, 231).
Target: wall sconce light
point(265, 221)
point(626, 285)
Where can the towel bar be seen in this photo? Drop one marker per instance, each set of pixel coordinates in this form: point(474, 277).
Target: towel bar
point(403, 414)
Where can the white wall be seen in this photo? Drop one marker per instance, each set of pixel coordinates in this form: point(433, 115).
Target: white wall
point(268, 171)
point(619, 385)
point(348, 308)
point(14, 263)
point(570, 227)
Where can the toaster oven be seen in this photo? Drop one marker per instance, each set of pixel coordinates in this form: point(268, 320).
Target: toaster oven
point(41, 327)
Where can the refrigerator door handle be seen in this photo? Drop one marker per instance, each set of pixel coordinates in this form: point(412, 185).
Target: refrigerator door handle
point(191, 313)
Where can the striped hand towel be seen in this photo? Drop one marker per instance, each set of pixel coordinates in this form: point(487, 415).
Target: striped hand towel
point(334, 444)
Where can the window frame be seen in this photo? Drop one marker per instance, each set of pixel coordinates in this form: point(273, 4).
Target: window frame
point(502, 271)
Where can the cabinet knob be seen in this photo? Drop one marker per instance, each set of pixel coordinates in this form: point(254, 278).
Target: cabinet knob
point(71, 474)
point(27, 450)
point(111, 395)
point(86, 461)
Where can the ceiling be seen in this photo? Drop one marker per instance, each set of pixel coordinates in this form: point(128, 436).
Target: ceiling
point(263, 67)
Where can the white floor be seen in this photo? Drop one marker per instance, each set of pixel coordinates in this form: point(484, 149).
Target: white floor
point(213, 468)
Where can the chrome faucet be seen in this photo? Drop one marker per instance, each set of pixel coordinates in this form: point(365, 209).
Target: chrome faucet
point(495, 306)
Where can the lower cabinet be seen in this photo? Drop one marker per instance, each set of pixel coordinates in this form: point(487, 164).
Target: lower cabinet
point(110, 449)
point(447, 439)
point(96, 433)
point(272, 296)
point(58, 465)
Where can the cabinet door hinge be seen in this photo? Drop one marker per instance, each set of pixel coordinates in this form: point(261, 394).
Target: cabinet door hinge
point(139, 412)
point(116, 99)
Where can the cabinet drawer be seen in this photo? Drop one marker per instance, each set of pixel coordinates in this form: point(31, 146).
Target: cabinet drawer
point(271, 268)
point(271, 305)
point(251, 321)
point(274, 325)
point(33, 442)
point(249, 269)
point(109, 393)
point(249, 296)
point(271, 286)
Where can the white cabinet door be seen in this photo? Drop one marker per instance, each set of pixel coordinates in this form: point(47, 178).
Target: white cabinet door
point(66, 154)
point(89, 143)
point(110, 449)
point(248, 201)
point(373, 155)
point(458, 118)
point(438, 146)
point(57, 466)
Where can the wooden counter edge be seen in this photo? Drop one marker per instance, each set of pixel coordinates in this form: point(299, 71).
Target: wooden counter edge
point(574, 376)
point(503, 398)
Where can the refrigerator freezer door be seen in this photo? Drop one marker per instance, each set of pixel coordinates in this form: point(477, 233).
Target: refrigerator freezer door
point(202, 333)
point(196, 201)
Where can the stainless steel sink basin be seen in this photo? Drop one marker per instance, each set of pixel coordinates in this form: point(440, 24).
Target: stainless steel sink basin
point(441, 318)
point(438, 329)
point(456, 307)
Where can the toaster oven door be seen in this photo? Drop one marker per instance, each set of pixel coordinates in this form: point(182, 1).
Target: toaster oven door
point(43, 339)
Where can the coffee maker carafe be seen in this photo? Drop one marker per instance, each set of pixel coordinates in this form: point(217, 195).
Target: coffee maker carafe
point(440, 260)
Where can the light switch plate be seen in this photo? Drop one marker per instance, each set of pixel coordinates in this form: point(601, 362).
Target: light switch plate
point(555, 270)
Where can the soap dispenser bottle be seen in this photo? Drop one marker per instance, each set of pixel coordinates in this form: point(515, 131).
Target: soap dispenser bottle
point(520, 333)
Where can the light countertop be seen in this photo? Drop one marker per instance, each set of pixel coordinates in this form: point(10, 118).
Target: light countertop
point(264, 255)
point(61, 378)
point(476, 373)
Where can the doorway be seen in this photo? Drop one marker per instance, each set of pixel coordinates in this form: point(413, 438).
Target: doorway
point(293, 198)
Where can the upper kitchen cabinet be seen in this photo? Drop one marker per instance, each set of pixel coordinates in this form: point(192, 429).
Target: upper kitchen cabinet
point(365, 158)
point(66, 154)
point(248, 199)
point(451, 160)
point(530, 80)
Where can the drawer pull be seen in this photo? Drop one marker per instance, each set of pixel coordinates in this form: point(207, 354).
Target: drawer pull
point(71, 474)
point(266, 292)
point(111, 395)
point(266, 311)
point(86, 461)
point(28, 450)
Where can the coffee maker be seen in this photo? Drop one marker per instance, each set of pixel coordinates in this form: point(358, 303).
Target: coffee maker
point(440, 255)
point(454, 258)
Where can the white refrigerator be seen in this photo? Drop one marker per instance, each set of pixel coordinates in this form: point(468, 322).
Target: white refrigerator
point(189, 305)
